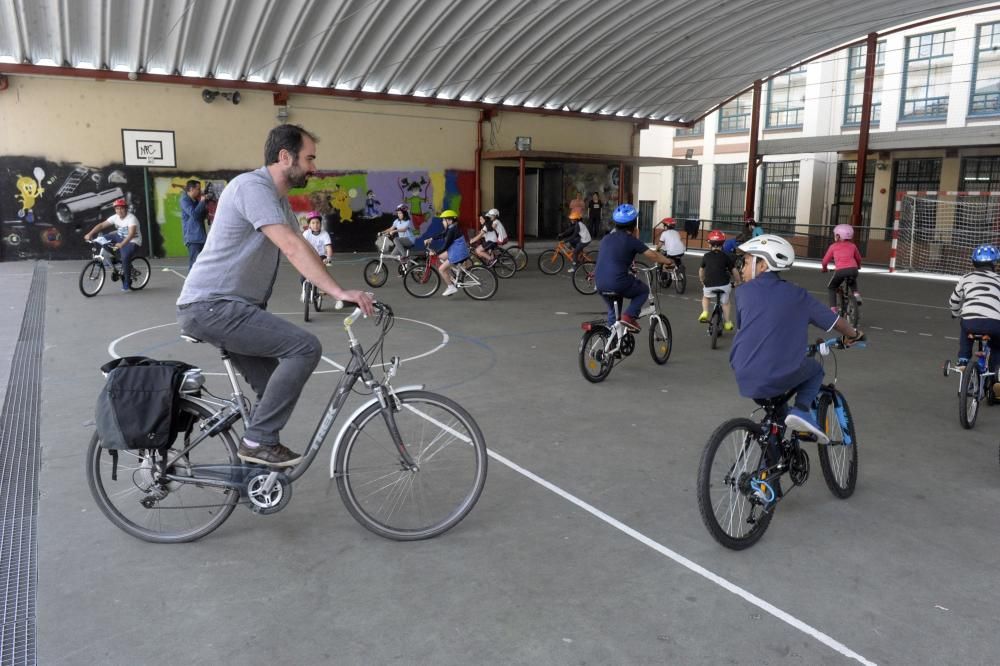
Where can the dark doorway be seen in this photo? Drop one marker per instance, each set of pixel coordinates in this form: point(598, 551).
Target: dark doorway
point(549, 204)
point(550, 201)
point(505, 197)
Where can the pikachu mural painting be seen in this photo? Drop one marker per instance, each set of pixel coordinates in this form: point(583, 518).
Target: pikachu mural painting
point(355, 205)
point(46, 207)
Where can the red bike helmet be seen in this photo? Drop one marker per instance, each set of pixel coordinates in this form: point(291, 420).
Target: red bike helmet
point(716, 238)
point(668, 222)
point(120, 202)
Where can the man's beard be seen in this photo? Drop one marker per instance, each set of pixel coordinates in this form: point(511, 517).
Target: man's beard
point(297, 177)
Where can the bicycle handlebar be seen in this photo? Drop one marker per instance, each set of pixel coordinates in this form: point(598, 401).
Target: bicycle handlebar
point(834, 343)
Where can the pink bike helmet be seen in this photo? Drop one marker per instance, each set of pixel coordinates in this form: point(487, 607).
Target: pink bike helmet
point(845, 231)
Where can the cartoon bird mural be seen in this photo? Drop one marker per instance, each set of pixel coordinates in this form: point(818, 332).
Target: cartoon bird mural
point(29, 191)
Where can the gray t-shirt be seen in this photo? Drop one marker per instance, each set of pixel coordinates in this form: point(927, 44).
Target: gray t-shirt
point(239, 263)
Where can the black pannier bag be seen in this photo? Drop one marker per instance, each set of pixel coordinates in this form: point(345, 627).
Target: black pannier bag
point(139, 406)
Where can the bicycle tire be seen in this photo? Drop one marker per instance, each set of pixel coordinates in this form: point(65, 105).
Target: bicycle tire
point(661, 338)
point(380, 493)
point(307, 298)
point(715, 327)
point(519, 255)
point(317, 300)
point(550, 262)
point(583, 278)
point(92, 278)
point(505, 266)
point(839, 458)
point(738, 507)
point(593, 365)
point(680, 284)
point(483, 283)
point(853, 311)
point(420, 283)
point(140, 273)
point(376, 273)
point(968, 395)
point(98, 459)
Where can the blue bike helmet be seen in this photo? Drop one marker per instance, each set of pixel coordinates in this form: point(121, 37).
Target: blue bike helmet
point(625, 214)
point(729, 247)
point(985, 254)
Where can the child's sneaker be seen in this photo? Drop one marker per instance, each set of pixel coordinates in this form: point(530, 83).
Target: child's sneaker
point(450, 290)
point(857, 297)
point(572, 267)
point(630, 323)
point(728, 326)
point(802, 421)
point(703, 317)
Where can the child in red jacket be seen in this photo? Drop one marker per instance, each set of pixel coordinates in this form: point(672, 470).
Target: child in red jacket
point(847, 259)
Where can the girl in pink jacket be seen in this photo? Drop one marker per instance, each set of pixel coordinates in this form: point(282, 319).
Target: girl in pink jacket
point(846, 257)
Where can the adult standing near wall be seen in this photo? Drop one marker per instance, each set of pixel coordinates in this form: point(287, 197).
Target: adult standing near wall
point(194, 211)
point(594, 208)
point(578, 204)
point(224, 298)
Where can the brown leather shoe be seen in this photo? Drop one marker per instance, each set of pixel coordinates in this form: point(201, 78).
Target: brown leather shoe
point(275, 455)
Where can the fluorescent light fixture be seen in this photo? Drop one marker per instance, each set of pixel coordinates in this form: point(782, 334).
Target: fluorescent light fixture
point(419, 93)
point(344, 86)
point(286, 81)
point(49, 62)
point(191, 72)
point(566, 108)
point(225, 76)
point(396, 91)
point(83, 64)
point(444, 96)
point(157, 70)
point(508, 102)
point(315, 83)
point(256, 78)
point(528, 105)
point(468, 98)
point(8, 58)
point(371, 87)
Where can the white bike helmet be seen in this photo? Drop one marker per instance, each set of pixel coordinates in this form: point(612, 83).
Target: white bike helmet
point(493, 212)
point(775, 250)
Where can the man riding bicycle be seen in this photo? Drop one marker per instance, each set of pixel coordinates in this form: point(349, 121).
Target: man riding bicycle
point(225, 296)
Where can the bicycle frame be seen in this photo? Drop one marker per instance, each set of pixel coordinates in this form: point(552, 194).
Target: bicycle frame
point(981, 355)
point(357, 369)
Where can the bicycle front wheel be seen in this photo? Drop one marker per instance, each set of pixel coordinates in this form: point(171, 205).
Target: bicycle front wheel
point(968, 396)
point(505, 266)
point(839, 458)
point(92, 278)
point(853, 311)
point(715, 327)
point(404, 503)
point(479, 283)
point(734, 515)
point(550, 262)
point(307, 296)
point(661, 338)
point(376, 273)
point(681, 283)
point(150, 508)
point(140, 273)
point(421, 281)
point(583, 278)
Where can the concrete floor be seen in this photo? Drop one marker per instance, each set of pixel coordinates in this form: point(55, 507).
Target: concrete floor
point(901, 573)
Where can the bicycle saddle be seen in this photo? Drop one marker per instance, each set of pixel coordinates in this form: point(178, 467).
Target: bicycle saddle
point(718, 291)
point(611, 294)
point(775, 403)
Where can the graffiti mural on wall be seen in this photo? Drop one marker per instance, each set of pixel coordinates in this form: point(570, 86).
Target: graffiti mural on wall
point(355, 205)
point(46, 207)
point(590, 178)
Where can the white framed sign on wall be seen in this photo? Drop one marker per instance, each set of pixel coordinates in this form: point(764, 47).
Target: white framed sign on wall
point(148, 148)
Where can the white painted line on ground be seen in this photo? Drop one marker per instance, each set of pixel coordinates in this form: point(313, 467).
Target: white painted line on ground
point(685, 562)
point(170, 270)
point(896, 330)
point(948, 337)
point(876, 328)
point(562, 313)
point(926, 335)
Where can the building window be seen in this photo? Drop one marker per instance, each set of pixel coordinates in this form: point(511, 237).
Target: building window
point(985, 99)
point(735, 116)
point(779, 197)
point(980, 174)
point(729, 196)
point(687, 192)
point(786, 95)
point(697, 130)
point(927, 76)
point(913, 175)
point(854, 102)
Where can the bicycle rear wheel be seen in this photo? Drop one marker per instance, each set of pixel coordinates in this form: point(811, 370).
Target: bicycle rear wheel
point(661, 338)
point(395, 501)
point(162, 511)
point(421, 280)
point(839, 458)
point(519, 255)
point(595, 364)
point(505, 266)
point(479, 283)
point(853, 311)
point(733, 514)
point(307, 297)
point(715, 327)
point(140, 273)
point(680, 284)
point(550, 262)
point(92, 278)
point(376, 273)
point(968, 396)
point(583, 278)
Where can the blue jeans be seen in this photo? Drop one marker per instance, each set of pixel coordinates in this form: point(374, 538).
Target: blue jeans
point(194, 249)
point(806, 383)
point(636, 290)
point(126, 254)
point(275, 356)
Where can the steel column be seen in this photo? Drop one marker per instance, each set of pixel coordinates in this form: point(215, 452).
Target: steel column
point(751, 193)
point(520, 202)
point(866, 119)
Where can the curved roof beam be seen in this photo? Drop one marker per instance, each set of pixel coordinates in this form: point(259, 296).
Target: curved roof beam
point(361, 37)
point(417, 36)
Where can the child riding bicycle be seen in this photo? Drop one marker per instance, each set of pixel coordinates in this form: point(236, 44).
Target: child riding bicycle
point(453, 250)
point(976, 301)
point(669, 241)
point(847, 258)
point(613, 273)
point(576, 235)
point(402, 229)
point(717, 272)
point(769, 356)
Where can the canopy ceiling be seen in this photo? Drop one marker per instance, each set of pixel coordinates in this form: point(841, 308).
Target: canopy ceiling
point(656, 60)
